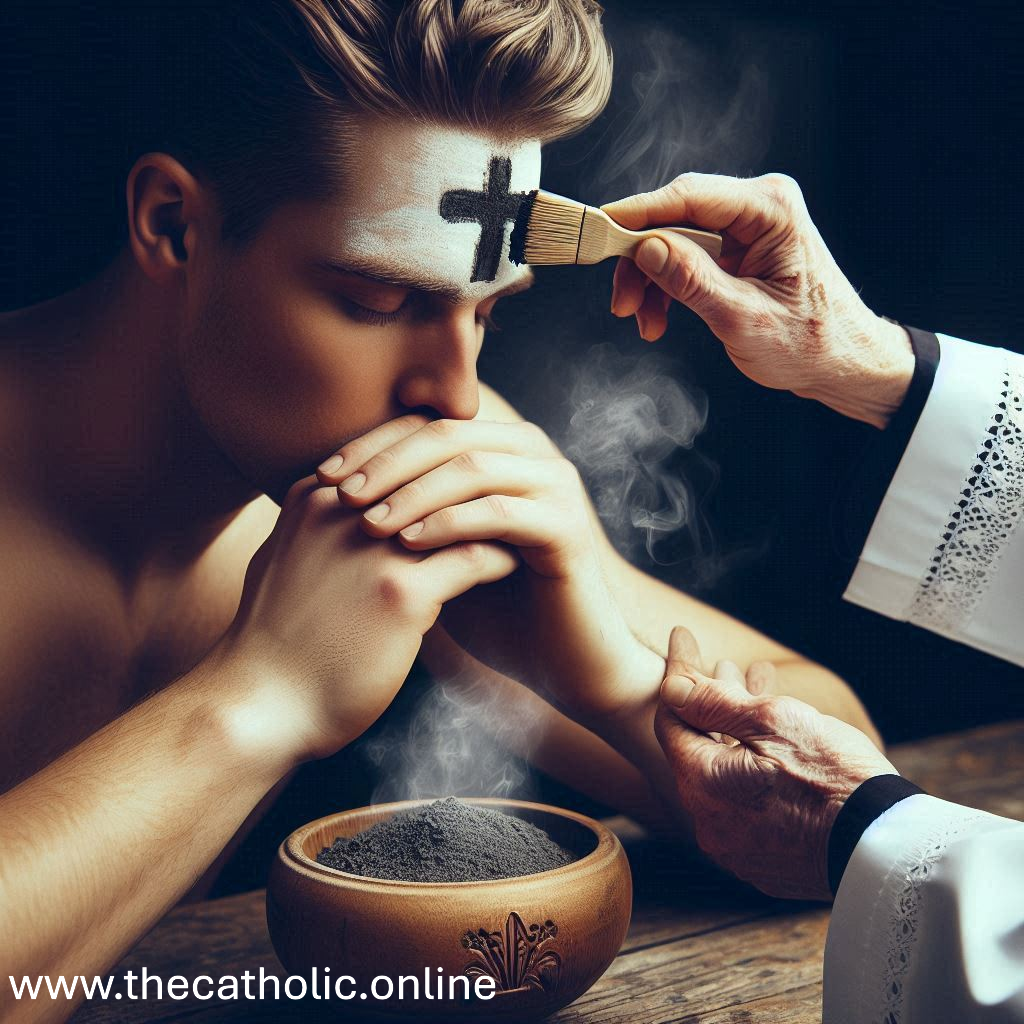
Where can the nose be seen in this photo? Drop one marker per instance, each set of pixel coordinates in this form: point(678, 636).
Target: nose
point(443, 371)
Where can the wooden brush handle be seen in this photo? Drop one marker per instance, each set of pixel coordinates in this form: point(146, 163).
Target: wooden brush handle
point(709, 241)
point(601, 237)
point(607, 238)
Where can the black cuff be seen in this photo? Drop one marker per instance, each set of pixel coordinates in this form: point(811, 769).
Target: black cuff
point(859, 498)
point(866, 803)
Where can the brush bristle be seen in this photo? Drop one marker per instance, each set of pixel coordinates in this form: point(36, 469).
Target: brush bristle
point(517, 240)
point(547, 229)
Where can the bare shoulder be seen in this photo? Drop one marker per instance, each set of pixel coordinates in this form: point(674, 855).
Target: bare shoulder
point(53, 589)
point(78, 645)
point(62, 646)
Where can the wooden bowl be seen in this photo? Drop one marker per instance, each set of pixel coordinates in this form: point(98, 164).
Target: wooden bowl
point(544, 938)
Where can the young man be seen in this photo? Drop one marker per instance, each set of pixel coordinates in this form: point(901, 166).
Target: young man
point(316, 235)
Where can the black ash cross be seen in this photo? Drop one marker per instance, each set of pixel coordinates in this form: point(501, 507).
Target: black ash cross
point(492, 209)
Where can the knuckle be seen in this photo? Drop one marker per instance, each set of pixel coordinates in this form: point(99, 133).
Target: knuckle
point(473, 555)
point(446, 518)
point(710, 842)
point(394, 592)
point(444, 428)
point(782, 188)
point(773, 712)
point(499, 506)
point(679, 186)
point(471, 462)
point(382, 461)
point(409, 497)
point(685, 279)
point(689, 180)
point(534, 435)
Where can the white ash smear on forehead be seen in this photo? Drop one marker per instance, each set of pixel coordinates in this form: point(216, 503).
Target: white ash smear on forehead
point(441, 200)
point(447, 841)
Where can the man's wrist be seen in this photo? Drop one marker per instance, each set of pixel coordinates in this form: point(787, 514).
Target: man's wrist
point(874, 388)
point(630, 730)
point(254, 718)
point(625, 725)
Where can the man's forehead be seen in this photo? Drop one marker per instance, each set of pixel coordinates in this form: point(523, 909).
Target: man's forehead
point(439, 201)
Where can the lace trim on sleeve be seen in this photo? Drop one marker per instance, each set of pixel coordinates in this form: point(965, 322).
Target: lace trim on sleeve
point(915, 869)
point(982, 520)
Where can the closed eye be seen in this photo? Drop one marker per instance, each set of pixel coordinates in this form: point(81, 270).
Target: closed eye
point(368, 315)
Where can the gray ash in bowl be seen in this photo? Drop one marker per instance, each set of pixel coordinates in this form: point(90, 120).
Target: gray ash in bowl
point(447, 841)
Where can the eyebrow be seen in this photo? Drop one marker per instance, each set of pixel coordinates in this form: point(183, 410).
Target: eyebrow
point(394, 276)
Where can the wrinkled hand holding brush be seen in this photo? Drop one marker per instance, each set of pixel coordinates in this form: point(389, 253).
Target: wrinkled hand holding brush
point(775, 297)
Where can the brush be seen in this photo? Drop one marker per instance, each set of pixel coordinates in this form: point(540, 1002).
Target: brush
point(550, 229)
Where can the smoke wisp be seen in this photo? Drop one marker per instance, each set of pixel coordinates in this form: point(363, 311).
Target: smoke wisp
point(456, 743)
point(630, 416)
point(680, 106)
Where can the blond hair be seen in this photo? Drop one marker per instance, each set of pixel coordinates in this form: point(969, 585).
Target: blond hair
point(537, 68)
point(261, 99)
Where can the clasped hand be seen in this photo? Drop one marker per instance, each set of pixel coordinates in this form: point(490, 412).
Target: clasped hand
point(554, 624)
point(398, 526)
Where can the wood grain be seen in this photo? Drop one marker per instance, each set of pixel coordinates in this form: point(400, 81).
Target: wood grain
point(701, 949)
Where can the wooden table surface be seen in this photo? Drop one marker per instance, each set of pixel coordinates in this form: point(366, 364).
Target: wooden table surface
point(701, 948)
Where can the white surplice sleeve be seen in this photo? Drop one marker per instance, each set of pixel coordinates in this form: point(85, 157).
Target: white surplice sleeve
point(945, 550)
point(928, 923)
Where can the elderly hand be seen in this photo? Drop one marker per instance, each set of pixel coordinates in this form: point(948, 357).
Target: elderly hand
point(764, 797)
point(787, 315)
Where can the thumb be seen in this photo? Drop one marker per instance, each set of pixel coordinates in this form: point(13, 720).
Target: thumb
point(686, 273)
point(690, 753)
point(713, 705)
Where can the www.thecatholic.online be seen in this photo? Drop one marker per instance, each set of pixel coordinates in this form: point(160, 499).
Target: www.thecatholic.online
point(251, 986)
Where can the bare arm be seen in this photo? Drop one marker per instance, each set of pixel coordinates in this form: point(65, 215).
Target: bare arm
point(101, 843)
point(655, 608)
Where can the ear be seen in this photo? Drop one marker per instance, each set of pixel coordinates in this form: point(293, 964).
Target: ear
point(165, 202)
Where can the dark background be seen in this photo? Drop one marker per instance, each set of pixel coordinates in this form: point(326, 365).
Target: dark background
point(900, 122)
point(902, 125)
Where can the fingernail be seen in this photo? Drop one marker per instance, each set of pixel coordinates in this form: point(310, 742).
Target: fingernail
point(676, 689)
point(377, 513)
point(412, 531)
point(353, 483)
point(652, 256)
point(331, 466)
